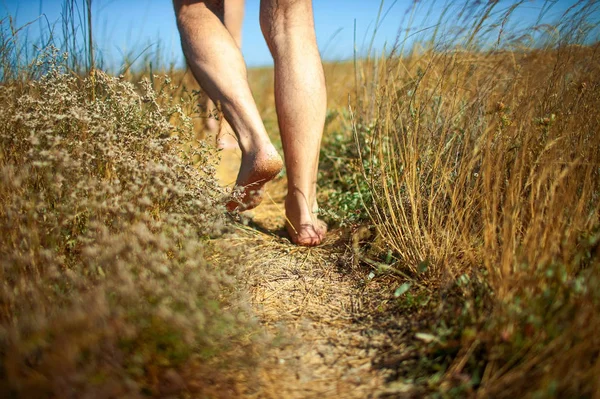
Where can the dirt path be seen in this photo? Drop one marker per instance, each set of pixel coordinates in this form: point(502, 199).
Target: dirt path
point(309, 301)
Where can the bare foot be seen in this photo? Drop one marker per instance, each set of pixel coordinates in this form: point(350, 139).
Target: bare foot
point(256, 170)
point(305, 235)
point(321, 225)
point(302, 223)
point(212, 125)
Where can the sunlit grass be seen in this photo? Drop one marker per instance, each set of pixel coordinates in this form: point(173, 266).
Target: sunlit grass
point(468, 176)
point(479, 172)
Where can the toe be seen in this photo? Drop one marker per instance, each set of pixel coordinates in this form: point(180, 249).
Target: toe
point(306, 236)
point(232, 205)
point(249, 201)
point(307, 241)
point(321, 228)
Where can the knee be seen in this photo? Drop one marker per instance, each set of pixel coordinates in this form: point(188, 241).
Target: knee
point(189, 11)
point(282, 21)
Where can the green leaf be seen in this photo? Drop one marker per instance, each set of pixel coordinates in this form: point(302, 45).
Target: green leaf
point(425, 337)
point(402, 289)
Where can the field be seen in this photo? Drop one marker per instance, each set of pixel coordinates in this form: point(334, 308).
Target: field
point(460, 182)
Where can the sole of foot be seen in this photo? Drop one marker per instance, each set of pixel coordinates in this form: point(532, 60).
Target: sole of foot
point(256, 170)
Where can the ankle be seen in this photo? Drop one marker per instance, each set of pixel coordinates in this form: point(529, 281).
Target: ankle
point(258, 147)
point(298, 207)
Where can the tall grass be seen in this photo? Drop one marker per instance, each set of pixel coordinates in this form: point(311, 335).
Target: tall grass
point(73, 35)
point(483, 164)
point(104, 226)
point(475, 157)
point(107, 210)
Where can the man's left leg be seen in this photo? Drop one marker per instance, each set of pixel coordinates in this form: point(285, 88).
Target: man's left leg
point(217, 64)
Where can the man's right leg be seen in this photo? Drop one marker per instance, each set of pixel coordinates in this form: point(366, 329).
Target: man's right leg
point(217, 64)
point(301, 102)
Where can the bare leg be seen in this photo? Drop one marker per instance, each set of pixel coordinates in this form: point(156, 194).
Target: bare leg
point(233, 19)
point(217, 63)
point(301, 102)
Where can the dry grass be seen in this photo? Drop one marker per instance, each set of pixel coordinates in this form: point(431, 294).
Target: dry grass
point(470, 179)
point(485, 167)
point(480, 173)
point(104, 227)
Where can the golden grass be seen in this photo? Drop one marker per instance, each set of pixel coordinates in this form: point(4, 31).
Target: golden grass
point(477, 171)
point(105, 225)
point(485, 167)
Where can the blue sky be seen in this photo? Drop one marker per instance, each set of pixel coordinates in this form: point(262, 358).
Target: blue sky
point(127, 26)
